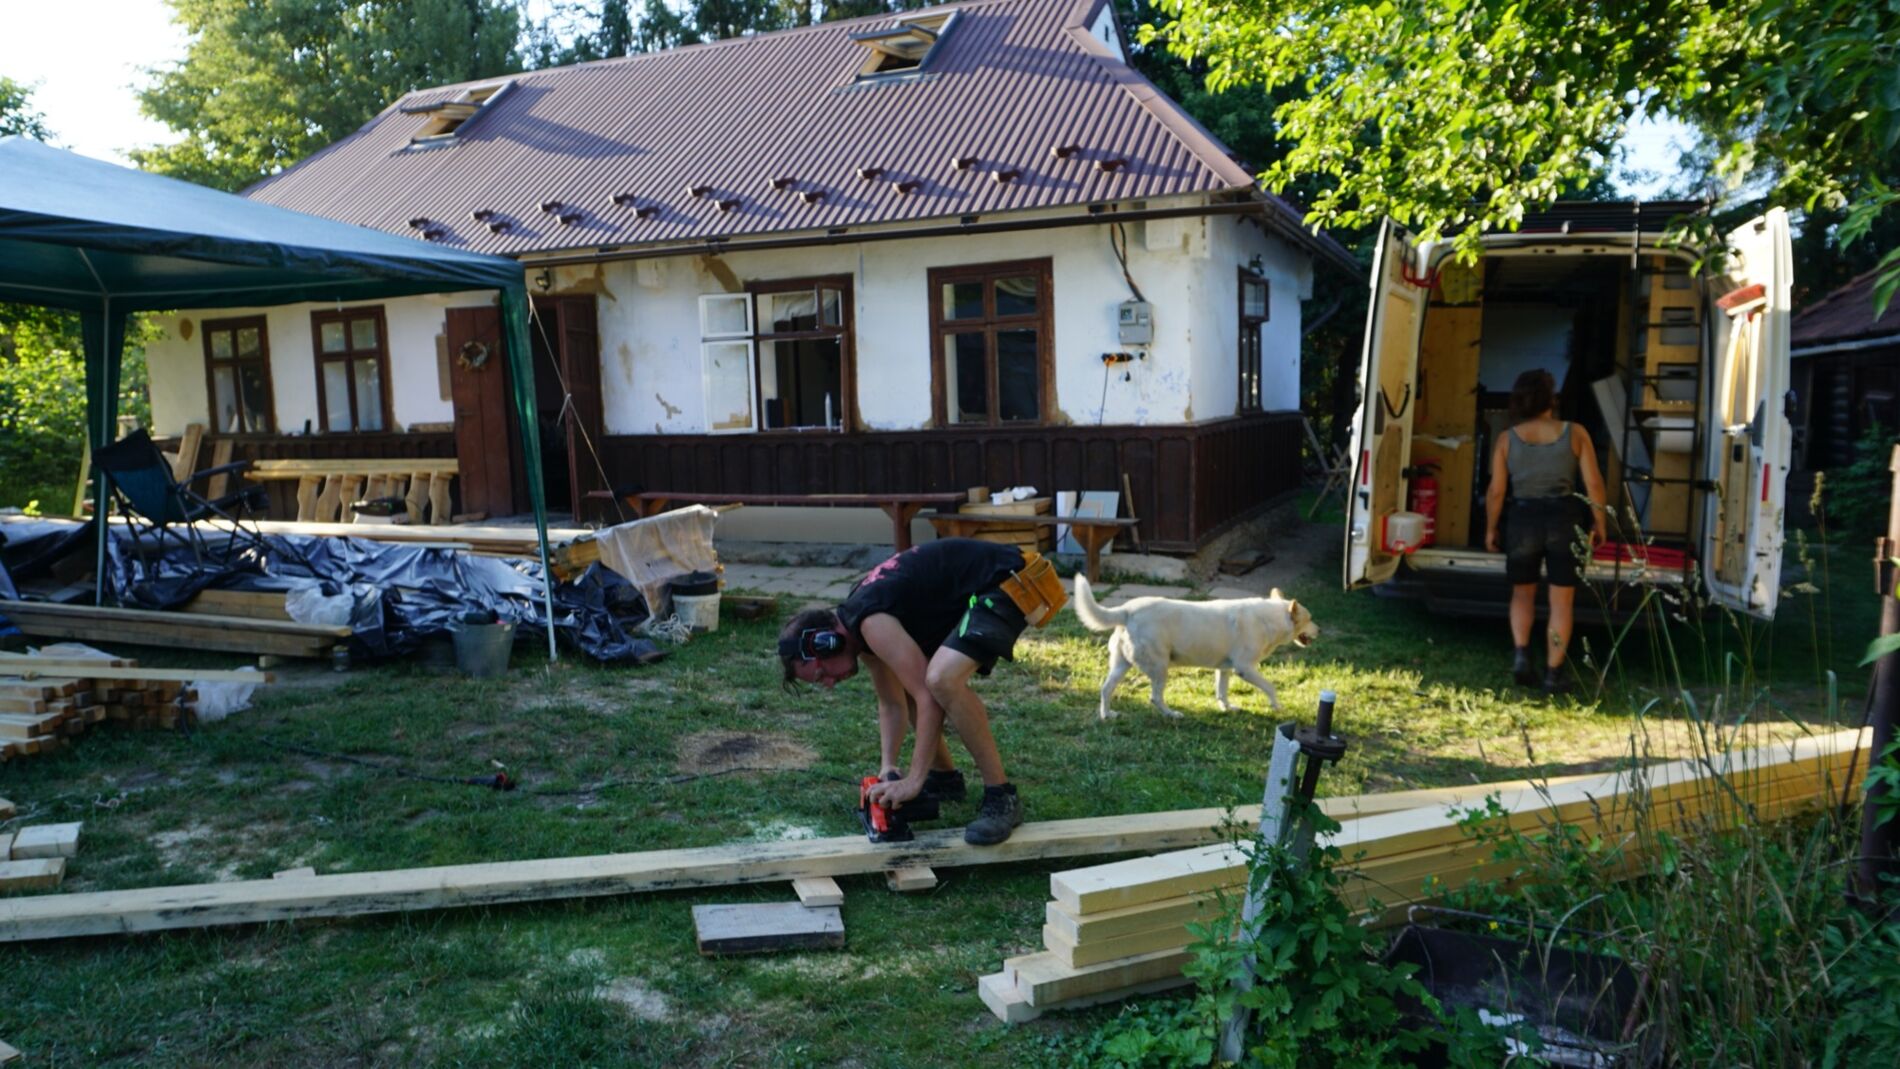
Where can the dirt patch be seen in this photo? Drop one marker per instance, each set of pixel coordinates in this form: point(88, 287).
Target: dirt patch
point(724, 751)
point(638, 999)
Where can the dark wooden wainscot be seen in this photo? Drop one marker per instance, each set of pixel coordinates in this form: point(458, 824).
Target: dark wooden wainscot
point(1189, 482)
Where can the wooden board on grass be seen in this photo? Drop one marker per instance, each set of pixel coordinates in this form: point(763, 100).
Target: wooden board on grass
point(760, 927)
point(36, 874)
point(46, 840)
point(817, 891)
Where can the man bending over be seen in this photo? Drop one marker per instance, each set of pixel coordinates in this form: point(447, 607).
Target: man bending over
point(922, 623)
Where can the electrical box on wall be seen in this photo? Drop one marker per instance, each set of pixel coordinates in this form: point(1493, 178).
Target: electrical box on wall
point(1136, 322)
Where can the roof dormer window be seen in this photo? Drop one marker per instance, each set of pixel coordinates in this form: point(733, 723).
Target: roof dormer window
point(904, 47)
point(447, 117)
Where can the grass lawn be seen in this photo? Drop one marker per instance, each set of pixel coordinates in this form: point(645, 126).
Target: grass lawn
point(600, 753)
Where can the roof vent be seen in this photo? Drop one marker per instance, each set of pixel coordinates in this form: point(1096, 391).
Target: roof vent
point(728, 205)
point(1063, 152)
point(698, 191)
point(781, 182)
point(623, 200)
point(1003, 178)
point(811, 196)
point(447, 117)
point(550, 206)
point(419, 222)
point(647, 212)
point(963, 163)
point(869, 173)
point(1111, 165)
point(905, 47)
point(909, 186)
point(499, 226)
point(569, 218)
point(482, 215)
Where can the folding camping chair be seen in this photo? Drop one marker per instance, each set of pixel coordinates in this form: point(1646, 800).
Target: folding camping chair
point(162, 508)
point(1332, 466)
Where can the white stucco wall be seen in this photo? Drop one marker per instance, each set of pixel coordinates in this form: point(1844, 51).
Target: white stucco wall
point(177, 370)
point(653, 379)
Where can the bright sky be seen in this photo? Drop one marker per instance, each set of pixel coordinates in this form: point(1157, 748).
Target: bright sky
point(85, 56)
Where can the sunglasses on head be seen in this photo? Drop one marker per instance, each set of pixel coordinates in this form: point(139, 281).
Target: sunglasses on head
point(811, 644)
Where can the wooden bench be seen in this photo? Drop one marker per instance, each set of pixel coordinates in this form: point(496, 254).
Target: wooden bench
point(325, 488)
point(900, 507)
point(1091, 532)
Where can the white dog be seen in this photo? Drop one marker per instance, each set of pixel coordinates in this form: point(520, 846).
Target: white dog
point(1231, 637)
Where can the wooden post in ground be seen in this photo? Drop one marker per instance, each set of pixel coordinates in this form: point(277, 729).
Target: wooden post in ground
point(1273, 825)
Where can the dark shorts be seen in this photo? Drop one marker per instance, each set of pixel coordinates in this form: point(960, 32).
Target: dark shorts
point(1547, 531)
point(988, 630)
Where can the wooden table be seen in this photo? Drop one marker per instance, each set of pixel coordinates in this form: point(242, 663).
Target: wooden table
point(900, 507)
point(1092, 532)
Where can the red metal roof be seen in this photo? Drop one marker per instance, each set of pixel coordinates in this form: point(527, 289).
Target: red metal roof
point(1847, 314)
point(1010, 81)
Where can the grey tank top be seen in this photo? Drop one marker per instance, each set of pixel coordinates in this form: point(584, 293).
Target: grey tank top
point(1542, 470)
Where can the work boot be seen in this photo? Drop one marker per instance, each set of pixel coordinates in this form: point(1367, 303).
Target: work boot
point(1000, 812)
point(1521, 668)
point(1556, 680)
point(945, 785)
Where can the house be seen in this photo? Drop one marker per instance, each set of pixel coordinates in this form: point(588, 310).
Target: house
point(965, 245)
point(1846, 372)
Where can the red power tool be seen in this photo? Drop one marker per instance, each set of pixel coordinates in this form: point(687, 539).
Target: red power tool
point(886, 825)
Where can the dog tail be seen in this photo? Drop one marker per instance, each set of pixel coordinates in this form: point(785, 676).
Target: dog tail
point(1093, 616)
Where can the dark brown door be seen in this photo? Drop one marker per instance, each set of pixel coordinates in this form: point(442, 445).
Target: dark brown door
point(573, 346)
point(484, 434)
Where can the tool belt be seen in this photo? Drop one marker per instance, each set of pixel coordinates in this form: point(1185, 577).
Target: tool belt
point(1036, 589)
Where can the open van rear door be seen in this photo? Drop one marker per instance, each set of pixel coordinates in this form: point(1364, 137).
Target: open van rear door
point(1382, 430)
point(1752, 435)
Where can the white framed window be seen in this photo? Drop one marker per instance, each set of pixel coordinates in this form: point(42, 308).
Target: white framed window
point(725, 353)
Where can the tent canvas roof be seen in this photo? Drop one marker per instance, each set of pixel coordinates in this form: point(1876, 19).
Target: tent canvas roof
point(74, 230)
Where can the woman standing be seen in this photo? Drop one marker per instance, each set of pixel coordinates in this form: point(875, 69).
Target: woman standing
point(1535, 466)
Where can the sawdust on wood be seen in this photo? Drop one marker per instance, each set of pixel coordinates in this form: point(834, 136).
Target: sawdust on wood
point(723, 751)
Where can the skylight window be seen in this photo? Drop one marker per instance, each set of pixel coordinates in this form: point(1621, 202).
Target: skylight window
point(905, 47)
point(447, 117)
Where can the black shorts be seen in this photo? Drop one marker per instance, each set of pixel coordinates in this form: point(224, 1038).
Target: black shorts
point(988, 630)
point(1550, 531)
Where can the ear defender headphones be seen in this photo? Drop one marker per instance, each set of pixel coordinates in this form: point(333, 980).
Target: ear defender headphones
point(811, 644)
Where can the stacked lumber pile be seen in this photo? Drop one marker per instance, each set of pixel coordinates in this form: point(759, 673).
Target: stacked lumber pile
point(34, 857)
point(45, 700)
point(142, 627)
point(1121, 929)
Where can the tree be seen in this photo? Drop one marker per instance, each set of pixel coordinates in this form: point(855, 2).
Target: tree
point(1453, 116)
point(265, 83)
point(17, 115)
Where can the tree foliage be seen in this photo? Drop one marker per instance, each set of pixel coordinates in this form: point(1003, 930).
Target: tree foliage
point(17, 114)
point(264, 83)
point(1453, 116)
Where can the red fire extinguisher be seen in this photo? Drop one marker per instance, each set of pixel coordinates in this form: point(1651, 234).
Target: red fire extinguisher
point(1424, 499)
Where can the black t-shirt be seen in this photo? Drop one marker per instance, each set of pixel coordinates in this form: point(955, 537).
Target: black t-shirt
point(928, 587)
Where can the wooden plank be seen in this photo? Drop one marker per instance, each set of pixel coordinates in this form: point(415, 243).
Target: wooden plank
point(439, 510)
point(759, 927)
point(6, 813)
point(1004, 999)
point(350, 894)
point(39, 874)
point(218, 485)
point(1127, 883)
point(22, 705)
point(1135, 944)
point(307, 489)
point(297, 469)
point(1044, 981)
point(185, 461)
point(1130, 920)
point(250, 604)
point(6, 845)
point(910, 880)
point(816, 891)
point(22, 611)
point(8, 1055)
point(47, 840)
point(28, 664)
point(178, 632)
point(329, 500)
point(17, 726)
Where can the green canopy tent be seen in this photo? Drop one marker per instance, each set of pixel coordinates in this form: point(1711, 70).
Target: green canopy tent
point(107, 241)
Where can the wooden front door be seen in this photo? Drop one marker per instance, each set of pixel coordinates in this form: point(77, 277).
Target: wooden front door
point(569, 338)
point(486, 450)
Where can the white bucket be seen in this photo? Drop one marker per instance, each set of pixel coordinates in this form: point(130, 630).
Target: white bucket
point(699, 612)
point(1404, 532)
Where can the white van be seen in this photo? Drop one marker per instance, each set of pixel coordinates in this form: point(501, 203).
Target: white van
point(1680, 376)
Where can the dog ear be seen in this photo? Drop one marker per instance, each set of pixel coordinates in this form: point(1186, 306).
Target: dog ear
point(1276, 595)
point(1293, 609)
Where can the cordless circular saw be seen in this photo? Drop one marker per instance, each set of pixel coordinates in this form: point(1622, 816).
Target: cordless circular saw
point(886, 825)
